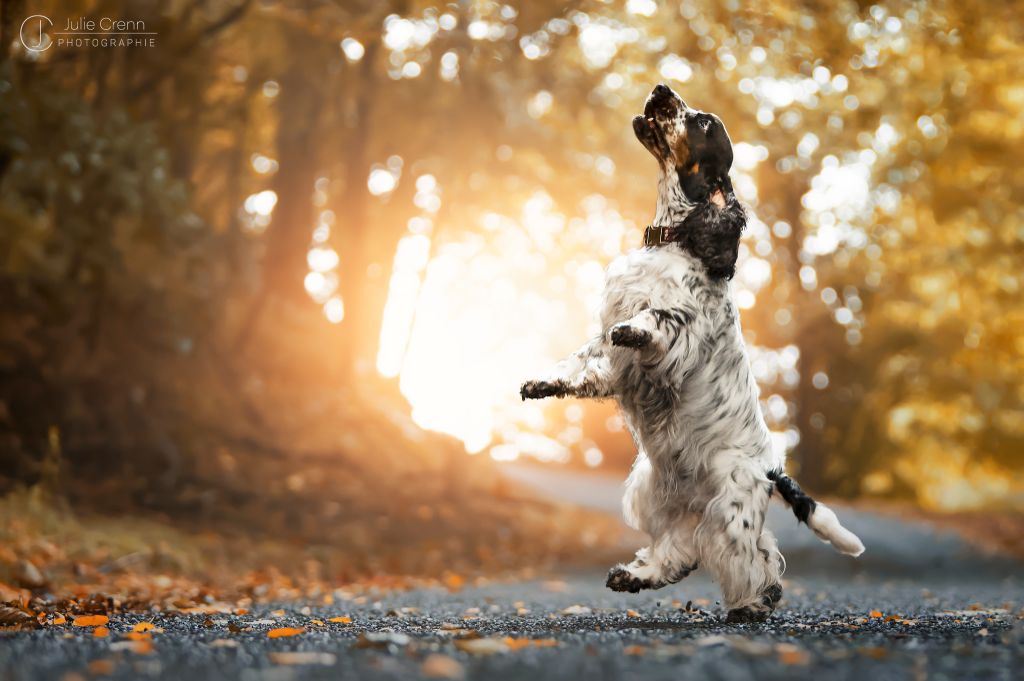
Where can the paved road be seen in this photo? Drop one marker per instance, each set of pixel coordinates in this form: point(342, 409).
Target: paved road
point(920, 605)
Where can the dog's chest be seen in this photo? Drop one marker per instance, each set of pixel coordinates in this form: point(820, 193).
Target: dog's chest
point(652, 278)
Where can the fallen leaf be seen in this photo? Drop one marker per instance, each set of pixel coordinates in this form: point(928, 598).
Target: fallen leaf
point(791, 654)
point(318, 623)
point(519, 643)
point(632, 613)
point(454, 582)
point(143, 627)
point(577, 610)
point(875, 613)
point(137, 636)
point(381, 639)
point(28, 575)
point(139, 647)
point(90, 620)
point(101, 667)
point(341, 620)
point(101, 632)
point(482, 646)
point(15, 618)
point(439, 666)
point(303, 657)
point(58, 620)
point(284, 632)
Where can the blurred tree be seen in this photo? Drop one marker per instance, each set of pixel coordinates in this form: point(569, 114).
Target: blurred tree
point(434, 174)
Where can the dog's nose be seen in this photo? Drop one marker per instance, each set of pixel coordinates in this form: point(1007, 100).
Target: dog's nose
point(662, 90)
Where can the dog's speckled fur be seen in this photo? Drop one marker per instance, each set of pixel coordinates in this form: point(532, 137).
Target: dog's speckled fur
point(673, 355)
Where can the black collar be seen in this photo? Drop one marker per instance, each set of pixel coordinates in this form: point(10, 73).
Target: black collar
point(659, 236)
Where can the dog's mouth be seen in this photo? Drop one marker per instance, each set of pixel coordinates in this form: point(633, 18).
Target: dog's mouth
point(662, 105)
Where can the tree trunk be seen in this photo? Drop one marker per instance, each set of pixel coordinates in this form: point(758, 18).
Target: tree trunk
point(362, 321)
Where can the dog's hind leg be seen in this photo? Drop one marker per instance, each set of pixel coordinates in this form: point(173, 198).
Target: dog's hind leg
point(671, 557)
point(733, 543)
point(585, 373)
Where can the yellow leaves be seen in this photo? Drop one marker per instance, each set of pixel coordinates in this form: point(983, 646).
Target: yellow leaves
point(341, 620)
point(143, 627)
point(285, 632)
point(91, 620)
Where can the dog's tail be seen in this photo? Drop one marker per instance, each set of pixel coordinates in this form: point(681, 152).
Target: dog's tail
point(817, 516)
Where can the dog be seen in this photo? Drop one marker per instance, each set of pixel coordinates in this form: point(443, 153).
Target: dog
point(672, 354)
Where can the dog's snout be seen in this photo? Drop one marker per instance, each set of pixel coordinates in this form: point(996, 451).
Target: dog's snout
point(662, 90)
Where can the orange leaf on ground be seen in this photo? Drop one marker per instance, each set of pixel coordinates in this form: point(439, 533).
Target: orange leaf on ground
point(142, 646)
point(59, 619)
point(284, 632)
point(318, 623)
point(341, 620)
point(438, 666)
point(875, 613)
point(305, 657)
point(790, 654)
point(137, 636)
point(517, 643)
point(143, 627)
point(101, 632)
point(91, 620)
point(101, 667)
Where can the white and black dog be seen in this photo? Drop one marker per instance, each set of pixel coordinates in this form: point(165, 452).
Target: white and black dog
point(672, 353)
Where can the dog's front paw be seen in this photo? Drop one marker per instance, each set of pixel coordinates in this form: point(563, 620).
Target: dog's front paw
point(758, 612)
point(621, 579)
point(747, 615)
point(536, 390)
point(625, 336)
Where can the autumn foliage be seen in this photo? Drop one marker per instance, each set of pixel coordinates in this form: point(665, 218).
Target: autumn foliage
point(244, 274)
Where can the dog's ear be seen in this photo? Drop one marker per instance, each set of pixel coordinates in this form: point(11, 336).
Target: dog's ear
point(710, 157)
point(713, 235)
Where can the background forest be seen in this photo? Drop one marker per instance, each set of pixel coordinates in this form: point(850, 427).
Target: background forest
point(293, 261)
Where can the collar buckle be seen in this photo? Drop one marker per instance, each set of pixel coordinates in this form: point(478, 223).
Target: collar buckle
point(657, 236)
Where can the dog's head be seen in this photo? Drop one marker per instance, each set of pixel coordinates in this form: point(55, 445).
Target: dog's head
point(694, 146)
point(691, 143)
